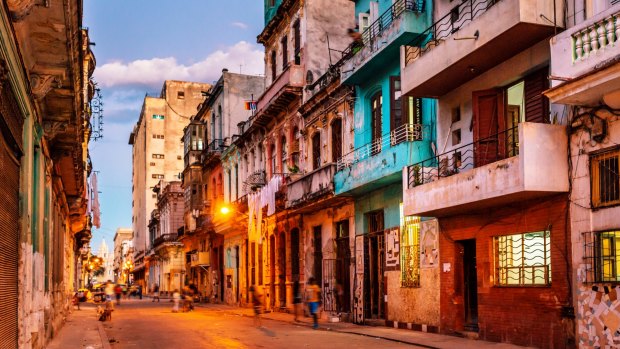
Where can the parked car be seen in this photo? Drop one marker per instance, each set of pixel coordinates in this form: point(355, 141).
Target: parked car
point(98, 292)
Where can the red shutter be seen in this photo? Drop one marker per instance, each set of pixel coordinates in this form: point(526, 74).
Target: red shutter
point(488, 120)
point(536, 104)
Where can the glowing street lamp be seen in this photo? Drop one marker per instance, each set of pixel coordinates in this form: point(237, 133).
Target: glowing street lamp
point(225, 210)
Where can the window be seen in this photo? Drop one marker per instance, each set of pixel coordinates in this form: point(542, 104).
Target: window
point(409, 251)
point(152, 164)
point(523, 259)
point(284, 156)
point(157, 176)
point(158, 136)
point(158, 156)
point(336, 139)
point(316, 150)
point(260, 264)
point(284, 43)
point(181, 95)
point(271, 3)
point(274, 157)
point(295, 148)
point(602, 250)
point(158, 117)
point(376, 103)
point(273, 66)
point(297, 42)
point(404, 110)
point(605, 178)
point(456, 137)
point(179, 157)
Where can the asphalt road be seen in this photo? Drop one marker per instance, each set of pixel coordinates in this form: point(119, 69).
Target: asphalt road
point(143, 324)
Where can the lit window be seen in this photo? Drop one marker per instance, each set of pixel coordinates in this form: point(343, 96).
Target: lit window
point(523, 259)
point(601, 253)
point(158, 156)
point(409, 251)
point(158, 117)
point(157, 176)
point(604, 168)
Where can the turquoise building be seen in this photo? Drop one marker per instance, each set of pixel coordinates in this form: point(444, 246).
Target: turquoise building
point(391, 131)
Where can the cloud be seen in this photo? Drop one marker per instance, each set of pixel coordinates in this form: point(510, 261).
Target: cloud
point(152, 72)
point(240, 25)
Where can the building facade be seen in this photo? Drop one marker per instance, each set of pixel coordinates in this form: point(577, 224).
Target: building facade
point(122, 244)
point(158, 154)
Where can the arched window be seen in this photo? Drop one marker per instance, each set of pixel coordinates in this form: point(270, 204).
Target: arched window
point(316, 150)
point(274, 157)
point(295, 148)
point(336, 139)
point(283, 155)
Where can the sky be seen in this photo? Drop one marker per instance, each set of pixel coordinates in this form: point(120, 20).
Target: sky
point(138, 45)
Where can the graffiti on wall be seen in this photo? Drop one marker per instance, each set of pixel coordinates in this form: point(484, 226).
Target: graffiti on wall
point(392, 249)
point(429, 250)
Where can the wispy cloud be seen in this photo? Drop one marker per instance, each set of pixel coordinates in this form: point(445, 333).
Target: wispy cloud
point(240, 25)
point(152, 72)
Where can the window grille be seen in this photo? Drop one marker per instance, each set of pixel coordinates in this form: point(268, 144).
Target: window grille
point(523, 259)
point(604, 169)
point(410, 251)
point(601, 252)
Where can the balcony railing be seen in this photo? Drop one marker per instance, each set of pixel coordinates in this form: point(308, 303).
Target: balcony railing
point(446, 26)
point(217, 145)
point(403, 133)
point(595, 37)
point(165, 238)
point(484, 151)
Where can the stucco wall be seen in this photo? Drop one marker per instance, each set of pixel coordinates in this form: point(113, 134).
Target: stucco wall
point(417, 305)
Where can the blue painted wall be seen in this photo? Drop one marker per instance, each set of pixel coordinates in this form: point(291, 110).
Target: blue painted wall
point(388, 200)
point(270, 11)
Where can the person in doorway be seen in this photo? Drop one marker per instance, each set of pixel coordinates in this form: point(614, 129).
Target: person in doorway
point(176, 298)
point(313, 296)
point(257, 304)
point(296, 298)
point(155, 293)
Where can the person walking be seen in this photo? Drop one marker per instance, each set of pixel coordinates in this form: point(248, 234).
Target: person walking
point(140, 291)
point(257, 305)
point(296, 298)
point(313, 296)
point(118, 291)
point(109, 291)
point(176, 298)
point(156, 293)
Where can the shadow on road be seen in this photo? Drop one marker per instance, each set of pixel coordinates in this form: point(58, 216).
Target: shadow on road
point(267, 331)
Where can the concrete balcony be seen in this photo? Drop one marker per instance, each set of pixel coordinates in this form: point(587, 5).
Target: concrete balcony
point(470, 40)
point(377, 164)
point(275, 100)
point(584, 56)
point(306, 192)
point(499, 170)
point(381, 41)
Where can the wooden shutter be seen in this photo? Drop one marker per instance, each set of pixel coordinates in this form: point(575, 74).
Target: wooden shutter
point(336, 140)
point(376, 105)
point(488, 121)
point(536, 104)
point(316, 150)
point(396, 107)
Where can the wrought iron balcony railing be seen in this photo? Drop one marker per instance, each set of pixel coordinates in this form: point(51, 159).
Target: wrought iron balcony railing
point(484, 151)
point(376, 29)
point(403, 133)
point(165, 238)
point(447, 25)
point(217, 145)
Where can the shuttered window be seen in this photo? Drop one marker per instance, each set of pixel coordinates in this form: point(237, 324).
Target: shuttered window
point(488, 120)
point(536, 104)
point(336, 139)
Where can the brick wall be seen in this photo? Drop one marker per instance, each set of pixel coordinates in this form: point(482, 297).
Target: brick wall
point(520, 315)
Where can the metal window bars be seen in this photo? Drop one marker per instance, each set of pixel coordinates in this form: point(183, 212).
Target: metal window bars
point(523, 259)
point(403, 133)
point(605, 177)
point(600, 260)
point(410, 252)
point(484, 151)
point(447, 25)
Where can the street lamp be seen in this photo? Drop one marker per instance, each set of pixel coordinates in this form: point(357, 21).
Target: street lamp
point(225, 210)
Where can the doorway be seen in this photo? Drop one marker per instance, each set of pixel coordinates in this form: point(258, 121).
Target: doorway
point(282, 269)
point(467, 251)
point(374, 263)
point(318, 255)
point(272, 271)
point(295, 254)
point(343, 263)
point(237, 273)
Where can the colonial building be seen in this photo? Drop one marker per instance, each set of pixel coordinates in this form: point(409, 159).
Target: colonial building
point(158, 154)
point(390, 130)
point(497, 179)
point(122, 244)
point(45, 89)
point(585, 77)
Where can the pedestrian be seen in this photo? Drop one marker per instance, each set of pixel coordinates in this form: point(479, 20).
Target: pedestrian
point(140, 291)
point(156, 293)
point(118, 291)
point(76, 300)
point(296, 298)
point(109, 291)
point(257, 305)
point(313, 296)
point(176, 298)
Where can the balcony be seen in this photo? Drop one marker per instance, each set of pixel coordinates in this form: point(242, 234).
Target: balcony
point(165, 239)
point(276, 99)
point(521, 163)
point(379, 163)
point(213, 151)
point(585, 51)
point(470, 40)
point(305, 192)
point(381, 41)
point(199, 259)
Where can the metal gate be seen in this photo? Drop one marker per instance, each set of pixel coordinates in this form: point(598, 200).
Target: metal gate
point(374, 282)
point(9, 247)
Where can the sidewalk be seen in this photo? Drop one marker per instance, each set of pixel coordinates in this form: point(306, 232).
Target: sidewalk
point(422, 339)
point(81, 330)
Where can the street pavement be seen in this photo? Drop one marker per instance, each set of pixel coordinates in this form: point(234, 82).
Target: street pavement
point(145, 324)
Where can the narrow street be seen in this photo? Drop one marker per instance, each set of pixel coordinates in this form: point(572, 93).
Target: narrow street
point(144, 324)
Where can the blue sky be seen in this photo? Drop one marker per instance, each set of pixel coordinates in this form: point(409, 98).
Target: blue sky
point(141, 43)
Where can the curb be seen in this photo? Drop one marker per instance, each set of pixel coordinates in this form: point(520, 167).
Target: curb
point(105, 342)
